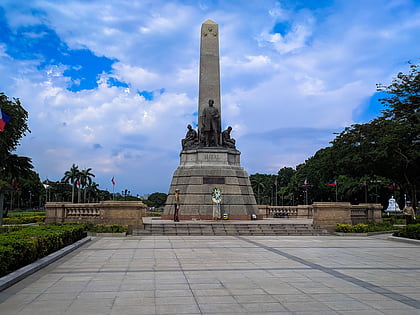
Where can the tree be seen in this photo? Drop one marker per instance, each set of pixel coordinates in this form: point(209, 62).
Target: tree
point(92, 191)
point(72, 176)
point(366, 158)
point(12, 167)
point(264, 186)
point(15, 129)
point(389, 145)
point(85, 177)
point(157, 199)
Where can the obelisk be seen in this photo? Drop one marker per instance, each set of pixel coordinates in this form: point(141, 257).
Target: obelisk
point(209, 82)
point(209, 160)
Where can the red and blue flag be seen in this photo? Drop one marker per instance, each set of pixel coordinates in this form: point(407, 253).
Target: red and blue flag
point(4, 119)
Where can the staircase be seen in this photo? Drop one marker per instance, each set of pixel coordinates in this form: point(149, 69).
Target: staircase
point(221, 228)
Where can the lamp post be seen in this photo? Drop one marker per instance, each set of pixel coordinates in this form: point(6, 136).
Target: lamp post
point(125, 193)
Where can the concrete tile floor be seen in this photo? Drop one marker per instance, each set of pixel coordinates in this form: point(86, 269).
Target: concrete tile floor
point(225, 275)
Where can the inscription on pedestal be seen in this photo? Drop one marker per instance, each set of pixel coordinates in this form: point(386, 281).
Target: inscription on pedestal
point(214, 180)
point(211, 157)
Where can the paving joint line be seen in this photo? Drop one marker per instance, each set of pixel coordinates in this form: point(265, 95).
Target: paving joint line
point(331, 271)
point(186, 279)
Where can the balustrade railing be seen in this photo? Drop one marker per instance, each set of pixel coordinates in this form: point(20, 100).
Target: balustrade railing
point(82, 212)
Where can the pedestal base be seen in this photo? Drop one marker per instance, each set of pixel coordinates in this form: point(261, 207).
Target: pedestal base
point(200, 171)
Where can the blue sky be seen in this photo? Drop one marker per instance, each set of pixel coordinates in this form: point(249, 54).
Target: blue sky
point(112, 85)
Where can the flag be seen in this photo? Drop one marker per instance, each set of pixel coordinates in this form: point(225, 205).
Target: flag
point(363, 184)
point(305, 183)
point(113, 181)
point(78, 183)
point(4, 119)
point(332, 183)
point(275, 182)
point(391, 186)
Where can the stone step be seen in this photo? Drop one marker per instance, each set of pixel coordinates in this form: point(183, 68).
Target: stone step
point(227, 229)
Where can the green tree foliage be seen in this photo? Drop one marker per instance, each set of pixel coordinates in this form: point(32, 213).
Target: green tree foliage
point(264, 188)
point(389, 145)
point(364, 159)
point(85, 180)
point(12, 166)
point(72, 176)
point(156, 200)
point(15, 129)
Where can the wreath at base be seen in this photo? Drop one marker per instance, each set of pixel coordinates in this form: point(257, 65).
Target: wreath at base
point(216, 195)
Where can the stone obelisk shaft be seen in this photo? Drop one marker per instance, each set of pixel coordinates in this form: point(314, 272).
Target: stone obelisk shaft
point(209, 84)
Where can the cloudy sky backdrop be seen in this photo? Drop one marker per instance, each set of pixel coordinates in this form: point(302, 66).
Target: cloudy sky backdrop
point(112, 85)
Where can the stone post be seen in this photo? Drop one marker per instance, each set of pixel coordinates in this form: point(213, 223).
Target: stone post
point(327, 214)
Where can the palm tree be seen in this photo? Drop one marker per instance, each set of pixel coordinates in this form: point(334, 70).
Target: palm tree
point(92, 190)
point(72, 176)
point(86, 180)
point(257, 183)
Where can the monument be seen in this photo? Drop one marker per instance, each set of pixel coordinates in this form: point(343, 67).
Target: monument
point(209, 160)
point(392, 206)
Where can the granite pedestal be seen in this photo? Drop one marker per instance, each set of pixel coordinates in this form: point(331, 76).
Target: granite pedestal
point(199, 172)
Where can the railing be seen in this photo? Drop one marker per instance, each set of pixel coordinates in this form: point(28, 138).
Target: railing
point(365, 213)
point(105, 212)
point(361, 213)
point(286, 211)
point(82, 212)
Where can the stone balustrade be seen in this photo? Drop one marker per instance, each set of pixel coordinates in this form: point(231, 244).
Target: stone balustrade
point(129, 213)
point(327, 214)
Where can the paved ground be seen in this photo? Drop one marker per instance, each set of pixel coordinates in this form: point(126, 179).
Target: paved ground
point(225, 275)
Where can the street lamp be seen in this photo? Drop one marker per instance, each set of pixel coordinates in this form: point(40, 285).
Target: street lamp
point(125, 193)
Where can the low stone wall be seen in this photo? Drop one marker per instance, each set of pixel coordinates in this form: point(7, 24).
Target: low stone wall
point(366, 212)
point(129, 213)
point(328, 214)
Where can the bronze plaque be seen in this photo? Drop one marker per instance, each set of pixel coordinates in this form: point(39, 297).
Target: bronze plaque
point(214, 180)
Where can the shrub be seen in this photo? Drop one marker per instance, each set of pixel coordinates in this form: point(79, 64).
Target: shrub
point(103, 228)
point(24, 213)
point(24, 219)
point(22, 247)
point(348, 228)
point(364, 228)
point(409, 231)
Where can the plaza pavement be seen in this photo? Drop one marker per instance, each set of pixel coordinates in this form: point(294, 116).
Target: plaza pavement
point(225, 275)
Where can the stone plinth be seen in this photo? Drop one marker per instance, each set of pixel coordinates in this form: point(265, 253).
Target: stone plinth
point(328, 214)
point(199, 172)
point(129, 213)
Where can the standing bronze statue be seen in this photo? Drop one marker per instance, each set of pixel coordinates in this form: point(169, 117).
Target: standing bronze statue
point(211, 125)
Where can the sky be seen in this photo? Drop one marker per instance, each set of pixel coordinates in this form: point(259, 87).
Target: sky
point(112, 85)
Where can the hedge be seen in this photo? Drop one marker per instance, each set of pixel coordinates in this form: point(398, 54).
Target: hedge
point(19, 248)
point(364, 228)
point(409, 231)
point(24, 220)
point(104, 228)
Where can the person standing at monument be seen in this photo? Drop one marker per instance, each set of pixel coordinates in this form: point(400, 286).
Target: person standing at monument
point(176, 212)
point(211, 126)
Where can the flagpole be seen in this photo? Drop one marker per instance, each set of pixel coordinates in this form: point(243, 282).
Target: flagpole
point(336, 191)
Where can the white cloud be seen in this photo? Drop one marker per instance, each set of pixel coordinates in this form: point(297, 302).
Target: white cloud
point(310, 77)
